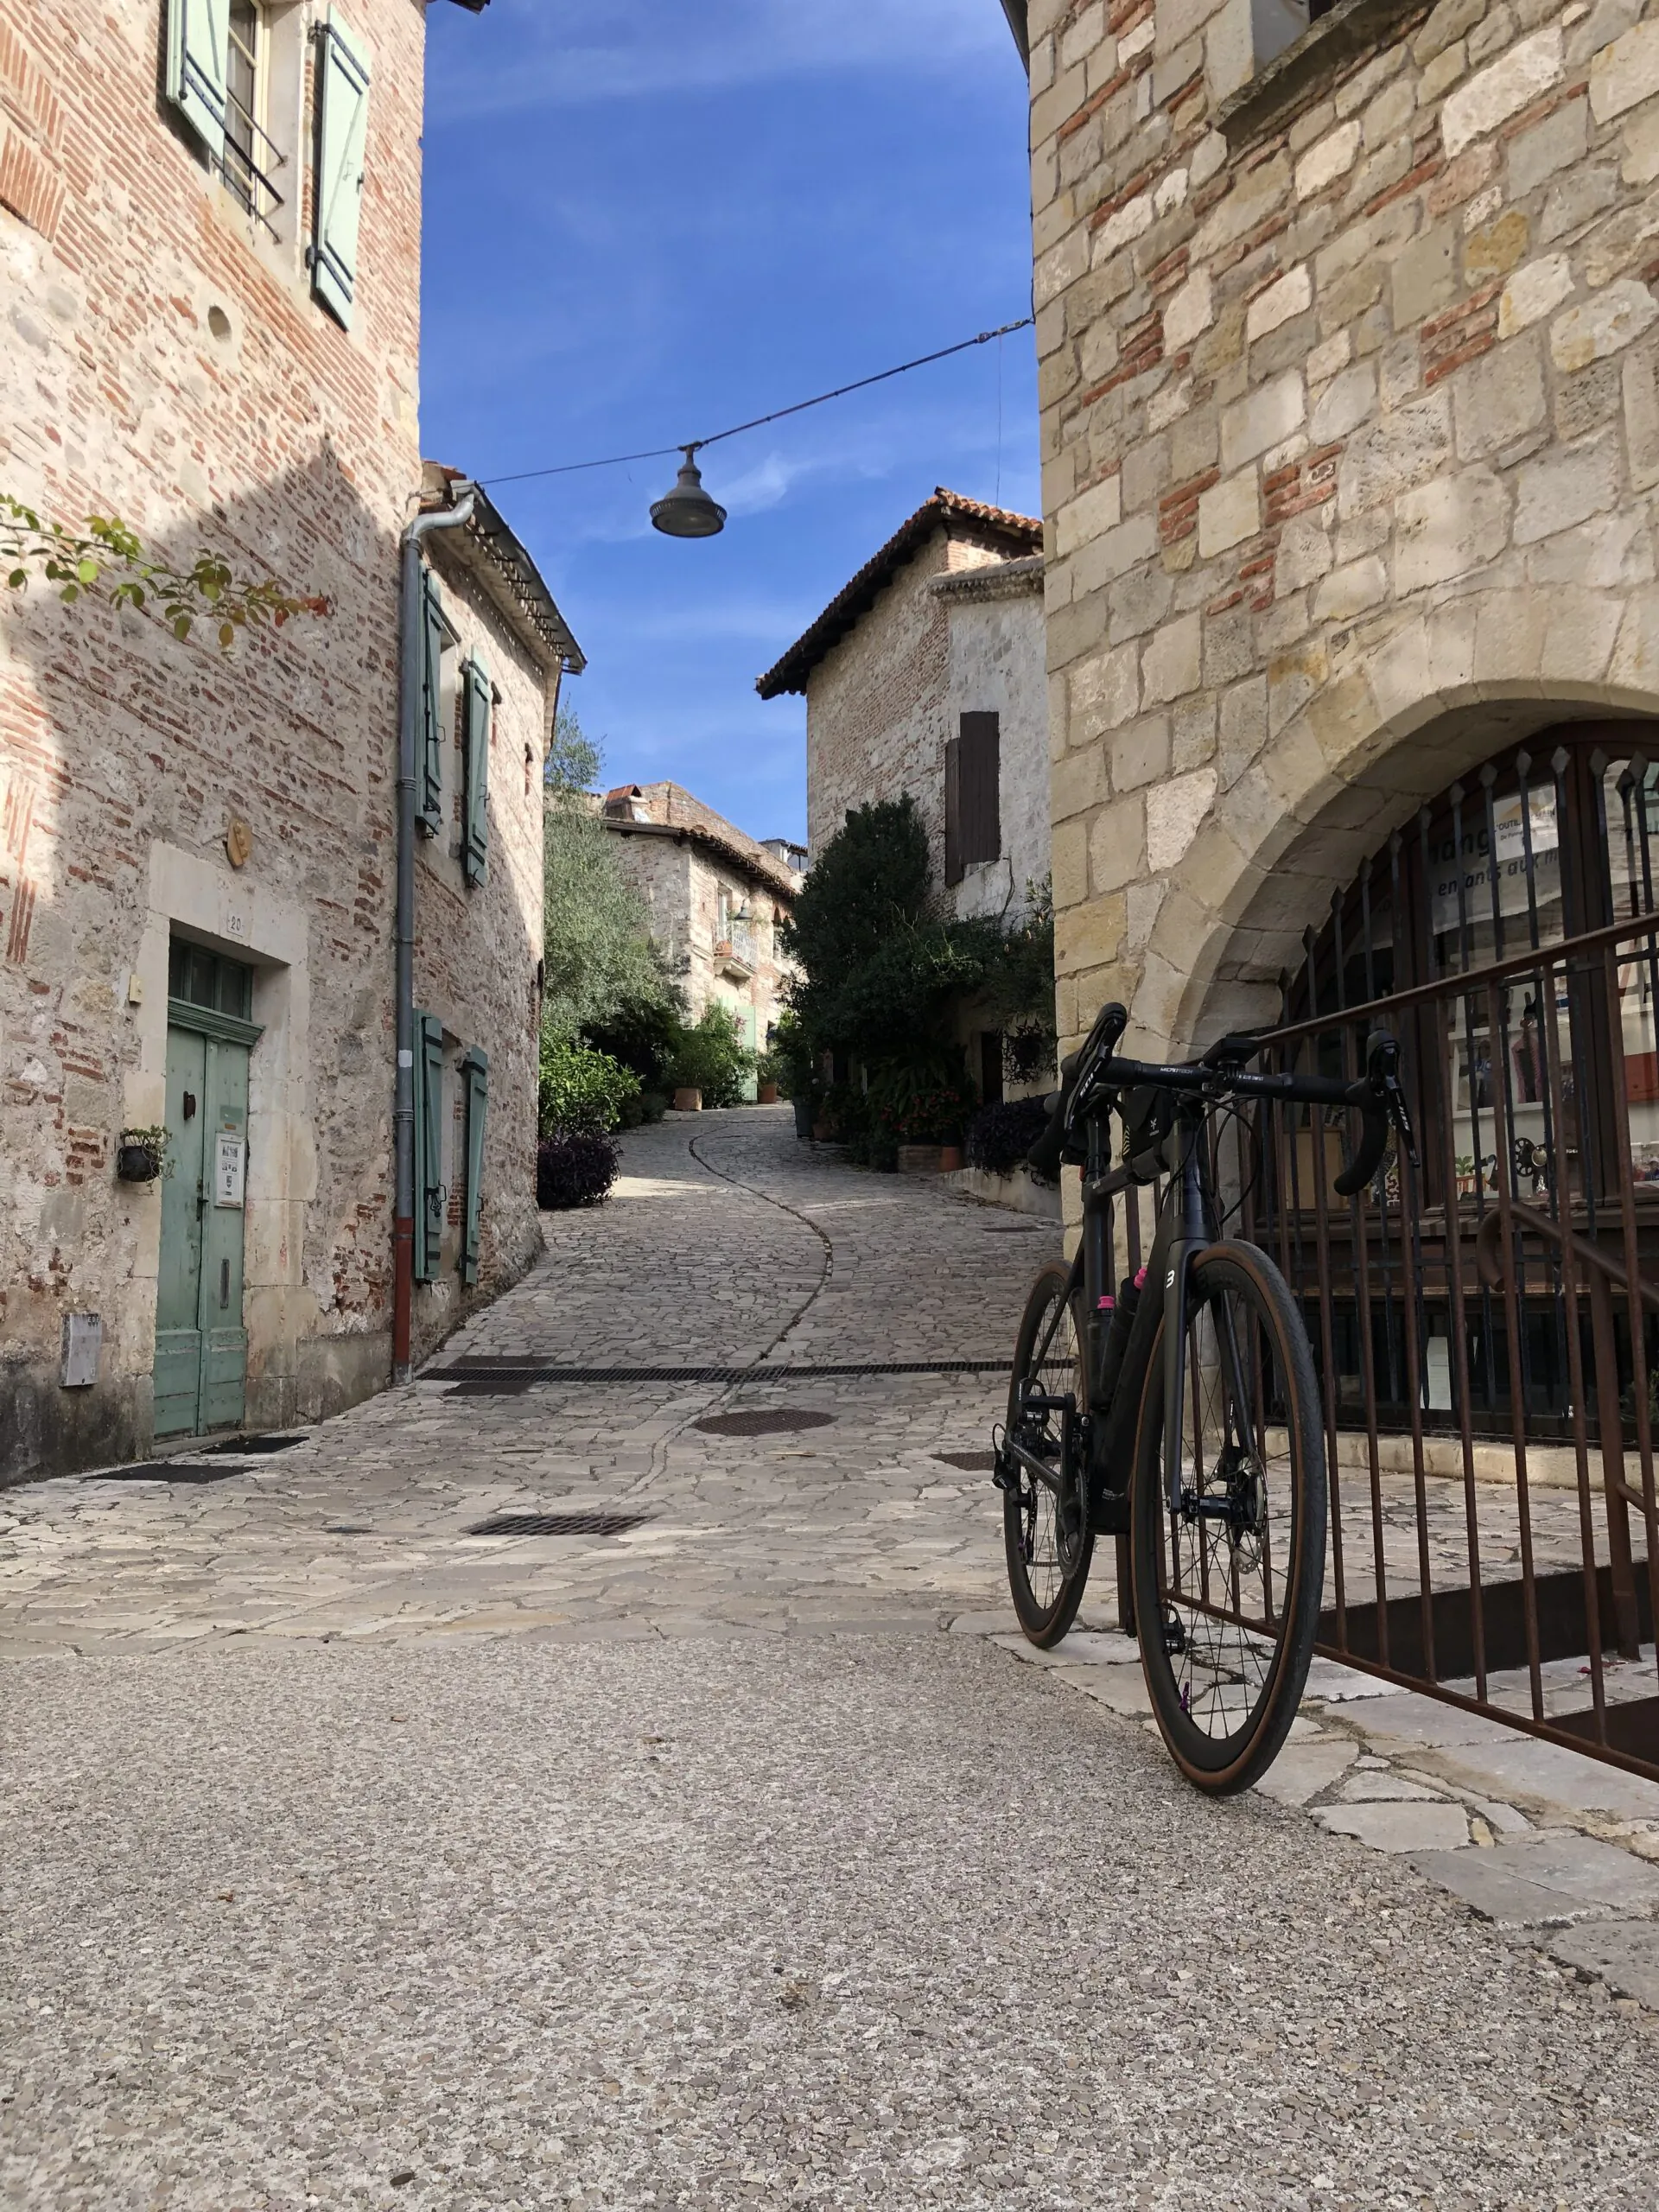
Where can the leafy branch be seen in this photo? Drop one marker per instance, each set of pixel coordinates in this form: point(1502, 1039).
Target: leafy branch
point(109, 563)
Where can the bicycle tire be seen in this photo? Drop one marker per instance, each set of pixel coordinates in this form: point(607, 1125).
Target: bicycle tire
point(1046, 1596)
point(1245, 1658)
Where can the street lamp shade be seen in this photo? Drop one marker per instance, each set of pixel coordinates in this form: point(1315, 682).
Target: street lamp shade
point(688, 511)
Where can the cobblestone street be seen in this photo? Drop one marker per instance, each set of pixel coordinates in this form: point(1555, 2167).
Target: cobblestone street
point(352, 1857)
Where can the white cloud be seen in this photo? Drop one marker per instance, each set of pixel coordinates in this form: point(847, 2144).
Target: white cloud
point(654, 48)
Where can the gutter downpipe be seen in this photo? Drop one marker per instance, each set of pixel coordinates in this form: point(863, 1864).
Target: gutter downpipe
point(403, 1118)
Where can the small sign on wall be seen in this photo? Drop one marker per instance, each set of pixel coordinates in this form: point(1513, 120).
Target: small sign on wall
point(230, 1163)
point(83, 1339)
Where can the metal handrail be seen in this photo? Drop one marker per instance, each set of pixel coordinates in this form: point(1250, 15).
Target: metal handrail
point(1496, 971)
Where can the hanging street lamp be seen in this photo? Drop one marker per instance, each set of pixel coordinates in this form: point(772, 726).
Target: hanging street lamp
point(688, 511)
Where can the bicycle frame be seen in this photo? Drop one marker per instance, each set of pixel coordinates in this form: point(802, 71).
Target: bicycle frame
point(1187, 1224)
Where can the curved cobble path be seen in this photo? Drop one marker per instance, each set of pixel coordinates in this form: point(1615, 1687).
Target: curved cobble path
point(348, 1859)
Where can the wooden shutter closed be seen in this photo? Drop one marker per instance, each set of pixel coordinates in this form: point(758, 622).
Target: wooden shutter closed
point(979, 774)
point(475, 813)
point(430, 770)
point(429, 1191)
point(953, 810)
point(342, 135)
point(198, 45)
point(475, 1073)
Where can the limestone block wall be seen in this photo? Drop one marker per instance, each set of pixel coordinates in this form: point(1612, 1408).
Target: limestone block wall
point(1350, 387)
point(996, 664)
point(164, 363)
point(878, 704)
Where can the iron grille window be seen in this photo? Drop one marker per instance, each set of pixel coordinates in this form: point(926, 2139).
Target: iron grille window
point(250, 154)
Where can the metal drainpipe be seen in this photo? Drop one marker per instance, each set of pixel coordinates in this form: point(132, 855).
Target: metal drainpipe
point(403, 1118)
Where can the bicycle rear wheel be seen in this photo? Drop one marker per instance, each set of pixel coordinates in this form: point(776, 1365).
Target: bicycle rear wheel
point(1047, 1551)
point(1227, 1585)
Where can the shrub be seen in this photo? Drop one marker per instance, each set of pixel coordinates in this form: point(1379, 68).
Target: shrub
point(582, 1089)
point(641, 1030)
point(1000, 1136)
point(920, 1105)
point(712, 1058)
point(791, 1055)
point(575, 1168)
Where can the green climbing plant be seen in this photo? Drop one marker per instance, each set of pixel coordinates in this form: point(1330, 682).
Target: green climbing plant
point(107, 560)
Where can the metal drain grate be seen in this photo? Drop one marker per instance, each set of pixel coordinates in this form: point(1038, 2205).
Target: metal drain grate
point(165, 1471)
point(559, 1524)
point(971, 1462)
point(763, 1420)
point(493, 1386)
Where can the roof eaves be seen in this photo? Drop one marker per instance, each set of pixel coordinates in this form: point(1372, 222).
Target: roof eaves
point(514, 582)
point(998, 528)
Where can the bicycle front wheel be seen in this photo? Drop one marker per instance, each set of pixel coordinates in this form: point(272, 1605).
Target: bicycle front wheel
point(1228, 1578)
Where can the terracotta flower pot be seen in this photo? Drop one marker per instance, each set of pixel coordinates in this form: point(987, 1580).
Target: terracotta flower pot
point(767, 1094)
point(919, 1158)
point(688, 1102)
point(949, 1159)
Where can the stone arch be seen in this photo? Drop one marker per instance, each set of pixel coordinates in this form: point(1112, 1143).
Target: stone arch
point(1365, 735)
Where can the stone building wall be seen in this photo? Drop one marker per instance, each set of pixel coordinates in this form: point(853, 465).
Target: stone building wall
point(1350, 387)
point(682, 858)
point(995, 663)
point(165, 360)
point(477, 948)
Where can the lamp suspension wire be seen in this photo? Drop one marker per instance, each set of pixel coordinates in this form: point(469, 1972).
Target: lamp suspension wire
point(799, 407)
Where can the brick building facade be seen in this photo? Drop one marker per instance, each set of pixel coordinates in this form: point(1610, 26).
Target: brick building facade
point(1350, 387)
point(211, 288)
point(715, 897)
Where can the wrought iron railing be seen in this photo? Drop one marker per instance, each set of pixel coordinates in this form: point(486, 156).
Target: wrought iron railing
point(245, 176)
point(1486, 1329)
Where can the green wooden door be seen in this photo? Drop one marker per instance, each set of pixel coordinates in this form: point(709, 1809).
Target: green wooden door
point(201, 1347)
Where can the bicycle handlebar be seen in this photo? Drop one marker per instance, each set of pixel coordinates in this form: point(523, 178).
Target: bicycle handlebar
point(1094, 1074)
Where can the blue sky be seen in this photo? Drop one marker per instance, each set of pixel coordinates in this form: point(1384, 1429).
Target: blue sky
point(650, 219)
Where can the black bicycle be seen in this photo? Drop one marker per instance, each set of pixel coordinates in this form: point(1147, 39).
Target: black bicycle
point(1179, 1409)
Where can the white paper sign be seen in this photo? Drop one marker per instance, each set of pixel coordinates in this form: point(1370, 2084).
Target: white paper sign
point(230, 1157)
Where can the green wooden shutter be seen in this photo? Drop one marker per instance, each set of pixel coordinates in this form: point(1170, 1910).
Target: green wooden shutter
point(430, 789)
point(343, 131)
point(475, 1073)
point(429, 1191)
point(197, 42)
point(476, 837)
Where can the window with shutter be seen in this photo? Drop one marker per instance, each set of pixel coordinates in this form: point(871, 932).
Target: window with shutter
point(475, 1074)
point(197, 42)
point(476, 832)
point(953, 810)
point(430, 1192)
point(979, 773)
point(342, 132)
point(429, 790)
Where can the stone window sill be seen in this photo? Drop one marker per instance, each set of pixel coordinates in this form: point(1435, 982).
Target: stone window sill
point(1294, 79)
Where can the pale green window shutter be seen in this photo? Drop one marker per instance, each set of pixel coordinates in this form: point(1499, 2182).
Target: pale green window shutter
point(476, 837)
point(429, 788)
point(430, 1193)
point(475, 1073)
point(198, 41)
point(343, 131)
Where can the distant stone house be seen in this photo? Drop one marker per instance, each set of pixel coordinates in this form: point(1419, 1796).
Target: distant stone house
point(925, 675)
point(209, 253)
point(715, 897)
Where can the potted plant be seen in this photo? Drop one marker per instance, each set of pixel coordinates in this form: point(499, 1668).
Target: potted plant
point(141, 1154)
point(767, 1076)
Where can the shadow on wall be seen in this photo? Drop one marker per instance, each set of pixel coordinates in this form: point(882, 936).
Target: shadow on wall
point(126, 754)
